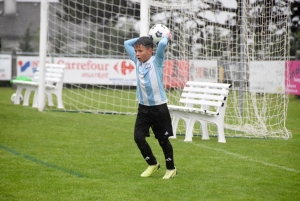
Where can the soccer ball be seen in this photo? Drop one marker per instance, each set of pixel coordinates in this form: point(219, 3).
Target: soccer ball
point(13, 97)
point(157, 32)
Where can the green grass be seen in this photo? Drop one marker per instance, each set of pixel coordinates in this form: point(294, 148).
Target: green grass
point(77, 156)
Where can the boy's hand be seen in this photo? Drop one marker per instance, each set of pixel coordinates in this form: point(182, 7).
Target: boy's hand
point(169, 36)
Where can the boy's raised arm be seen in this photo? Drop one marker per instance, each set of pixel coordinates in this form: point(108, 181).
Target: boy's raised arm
point(162, 46)
point(130, 49)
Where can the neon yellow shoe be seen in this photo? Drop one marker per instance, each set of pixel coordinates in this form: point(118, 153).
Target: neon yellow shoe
point(150, 170)
point(170, 174)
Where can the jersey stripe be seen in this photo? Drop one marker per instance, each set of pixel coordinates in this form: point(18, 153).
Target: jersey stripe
point(150, 89)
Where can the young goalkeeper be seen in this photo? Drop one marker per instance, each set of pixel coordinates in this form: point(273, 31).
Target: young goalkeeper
point(152, 110)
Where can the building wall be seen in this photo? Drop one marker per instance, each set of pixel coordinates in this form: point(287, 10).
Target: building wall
point(13, 27)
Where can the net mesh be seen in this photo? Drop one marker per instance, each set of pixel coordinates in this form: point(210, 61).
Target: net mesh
point(242, 42)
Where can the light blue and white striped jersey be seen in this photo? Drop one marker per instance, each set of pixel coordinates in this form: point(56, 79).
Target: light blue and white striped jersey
point(150, 89)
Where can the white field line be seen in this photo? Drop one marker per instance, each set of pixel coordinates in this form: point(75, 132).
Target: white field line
point(247, 158)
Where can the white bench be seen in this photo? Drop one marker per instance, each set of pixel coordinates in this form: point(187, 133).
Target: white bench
point(54, 75)
point(204, 102)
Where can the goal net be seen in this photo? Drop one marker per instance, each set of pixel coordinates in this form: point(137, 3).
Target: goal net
point(242, 42)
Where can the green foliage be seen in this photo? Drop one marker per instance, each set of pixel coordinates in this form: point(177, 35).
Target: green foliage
point(105, 13)
point(77, 10)
point(60, 42)
point(2, 44)
point(25, 43)
point(294, 43)
point(106, 41)
point(72, 156)
point(295, 15)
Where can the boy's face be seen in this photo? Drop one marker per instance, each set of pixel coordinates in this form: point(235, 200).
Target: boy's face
point(142, 53)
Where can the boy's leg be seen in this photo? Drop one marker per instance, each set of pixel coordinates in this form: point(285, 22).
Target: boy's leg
point(145, 149)
point(148, 156)
point(168, 152)
point(141, 131)
point(162, 129)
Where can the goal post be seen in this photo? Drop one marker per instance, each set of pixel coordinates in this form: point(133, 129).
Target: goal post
point(245, 43)
point(144, 21)
point(42, 54)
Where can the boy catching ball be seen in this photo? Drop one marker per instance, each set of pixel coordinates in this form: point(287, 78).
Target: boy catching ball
point(152, 110)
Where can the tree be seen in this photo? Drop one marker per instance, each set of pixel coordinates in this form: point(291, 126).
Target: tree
point(24, 44)
point(104, 16)
point(106, 13)
point(295, 35)
point(97, 11)
point(295, 9)
point(60, 42)
point(108, 45)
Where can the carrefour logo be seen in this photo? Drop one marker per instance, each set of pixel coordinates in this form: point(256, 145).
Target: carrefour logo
point(124, 67)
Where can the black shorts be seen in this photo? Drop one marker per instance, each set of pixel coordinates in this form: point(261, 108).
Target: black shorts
point(157, 117)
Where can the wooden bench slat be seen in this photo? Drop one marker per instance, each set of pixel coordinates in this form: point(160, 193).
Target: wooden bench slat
point(52, 79)
point(212, 113)
point(203, 96)
point(205, 90)
point(201, 102)
point(19, 82)
point(209, 84)
point(55, 65)
point(47, 74)
point(187, 109)
point(58, 70)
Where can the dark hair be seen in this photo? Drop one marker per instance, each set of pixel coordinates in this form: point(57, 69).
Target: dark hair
point(145, 41)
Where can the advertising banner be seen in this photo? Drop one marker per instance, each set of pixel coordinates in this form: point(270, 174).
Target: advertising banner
point(85, 71)
point(27, 65)
point(228, 72)
point(5, 67)
point(292, 77)
point(266, 76)
point(176, 73)
point(98, 71)
point(121, 71)
point(203, 70)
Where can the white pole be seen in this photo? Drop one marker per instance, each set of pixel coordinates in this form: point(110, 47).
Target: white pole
point(144, 15)
point(242, 58)
point(42, 58)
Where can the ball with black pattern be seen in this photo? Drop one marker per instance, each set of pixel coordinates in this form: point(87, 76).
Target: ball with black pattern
point(157, 32)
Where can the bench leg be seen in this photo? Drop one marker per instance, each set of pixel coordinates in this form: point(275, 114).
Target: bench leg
point(35, 100)
point(26, 97)
point(204, 130)
point(189, 130)
point(175, 121)
point(221, 136)
point(18, 93)
point(50, 101)
point(60, 104)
